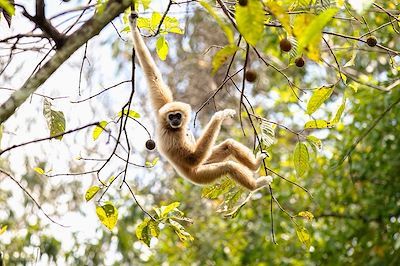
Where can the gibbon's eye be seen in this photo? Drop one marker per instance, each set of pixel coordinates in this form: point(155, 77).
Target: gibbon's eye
point(177, 116)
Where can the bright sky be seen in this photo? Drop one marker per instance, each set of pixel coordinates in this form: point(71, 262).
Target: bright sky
point(29, 124)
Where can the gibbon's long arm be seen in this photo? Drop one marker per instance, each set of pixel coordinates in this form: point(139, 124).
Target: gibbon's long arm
point(160, 94)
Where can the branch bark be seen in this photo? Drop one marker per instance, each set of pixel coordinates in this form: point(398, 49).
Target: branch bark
point(88, 30)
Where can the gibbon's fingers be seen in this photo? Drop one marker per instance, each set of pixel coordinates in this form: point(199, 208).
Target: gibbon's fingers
point(133, 19)
point(229, 113)
point(226, 113)
point(205, 174)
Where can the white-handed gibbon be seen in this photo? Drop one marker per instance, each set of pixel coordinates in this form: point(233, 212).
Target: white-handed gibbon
point(200, 161)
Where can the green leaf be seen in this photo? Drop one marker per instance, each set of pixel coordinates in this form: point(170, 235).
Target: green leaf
point(3, 229)
point(213, 191)
point(319, 96)
point(99, 129)
point(39, 170)
point(100, 6)
point(55, 119)
point(267, 133)
point(142, 232)
point(222, 55)
point(227, 30)
point(250, 20)
point(280, 14)
point(306, 214)
point(303, 235)
point(162, 48)
point(167, 209)
point(172, 25)
point(111, 179)
point(153, 163)
point(144, 23)
point(91, 192)
point(180, 230)
point(155, 20)
point(232, 197)
point(314, 141)
point(153, 228)
point(339, 113)
point(300, 159)
point(129, 113)
point(318, 124)
point(8, 7)
point(312, 34)
point(108, 215)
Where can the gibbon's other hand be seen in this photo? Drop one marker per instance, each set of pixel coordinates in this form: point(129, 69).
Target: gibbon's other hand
point(224, 114)
point(133, 18)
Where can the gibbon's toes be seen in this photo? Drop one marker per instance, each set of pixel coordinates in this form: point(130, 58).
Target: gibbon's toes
point(263, 181)
point(261, 155)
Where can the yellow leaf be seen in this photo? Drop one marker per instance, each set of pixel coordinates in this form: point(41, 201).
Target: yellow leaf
point(319, 96)
point(250, 20)
point(300, 159)
point(3, 229)
point(222, 55)
point(306, 214)
point(318, 124)
point(301, 22)
point(91, 192)
point(303, 236)
point(99, 129)
point(162, 48)
point(339, 113)
point(39, 170)
point(310, 37)
point(107, 214)
point(281, 15)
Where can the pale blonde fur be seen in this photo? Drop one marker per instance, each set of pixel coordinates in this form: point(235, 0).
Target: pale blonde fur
point(201, 161)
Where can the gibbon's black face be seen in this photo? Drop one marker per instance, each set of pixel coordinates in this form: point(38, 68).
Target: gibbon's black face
point(175, 119)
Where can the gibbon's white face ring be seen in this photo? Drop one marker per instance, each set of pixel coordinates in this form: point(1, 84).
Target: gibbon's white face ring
point(175, 119)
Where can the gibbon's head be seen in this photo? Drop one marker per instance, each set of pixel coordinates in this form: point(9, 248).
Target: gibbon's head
point(175, 115)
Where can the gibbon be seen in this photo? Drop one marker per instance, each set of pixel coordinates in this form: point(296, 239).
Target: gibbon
point(200, 161)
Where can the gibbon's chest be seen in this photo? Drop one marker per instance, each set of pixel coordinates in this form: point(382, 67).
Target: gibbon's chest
point(175, 143)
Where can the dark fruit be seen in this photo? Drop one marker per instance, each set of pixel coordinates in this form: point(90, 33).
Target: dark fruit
point(285, 45)
point(372, 41)
point(243, 2)
point(299, 61)
point(250, 75)
point(150, 144)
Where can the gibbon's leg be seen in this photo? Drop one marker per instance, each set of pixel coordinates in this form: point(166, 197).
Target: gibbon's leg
point(208, 173)
point(241, 153)
point(206, 141)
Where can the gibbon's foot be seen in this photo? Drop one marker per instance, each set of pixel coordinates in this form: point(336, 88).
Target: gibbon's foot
point(263, 181)
point(261, 156)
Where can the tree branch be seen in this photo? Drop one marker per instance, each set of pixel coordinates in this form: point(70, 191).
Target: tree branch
point(88, 30)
